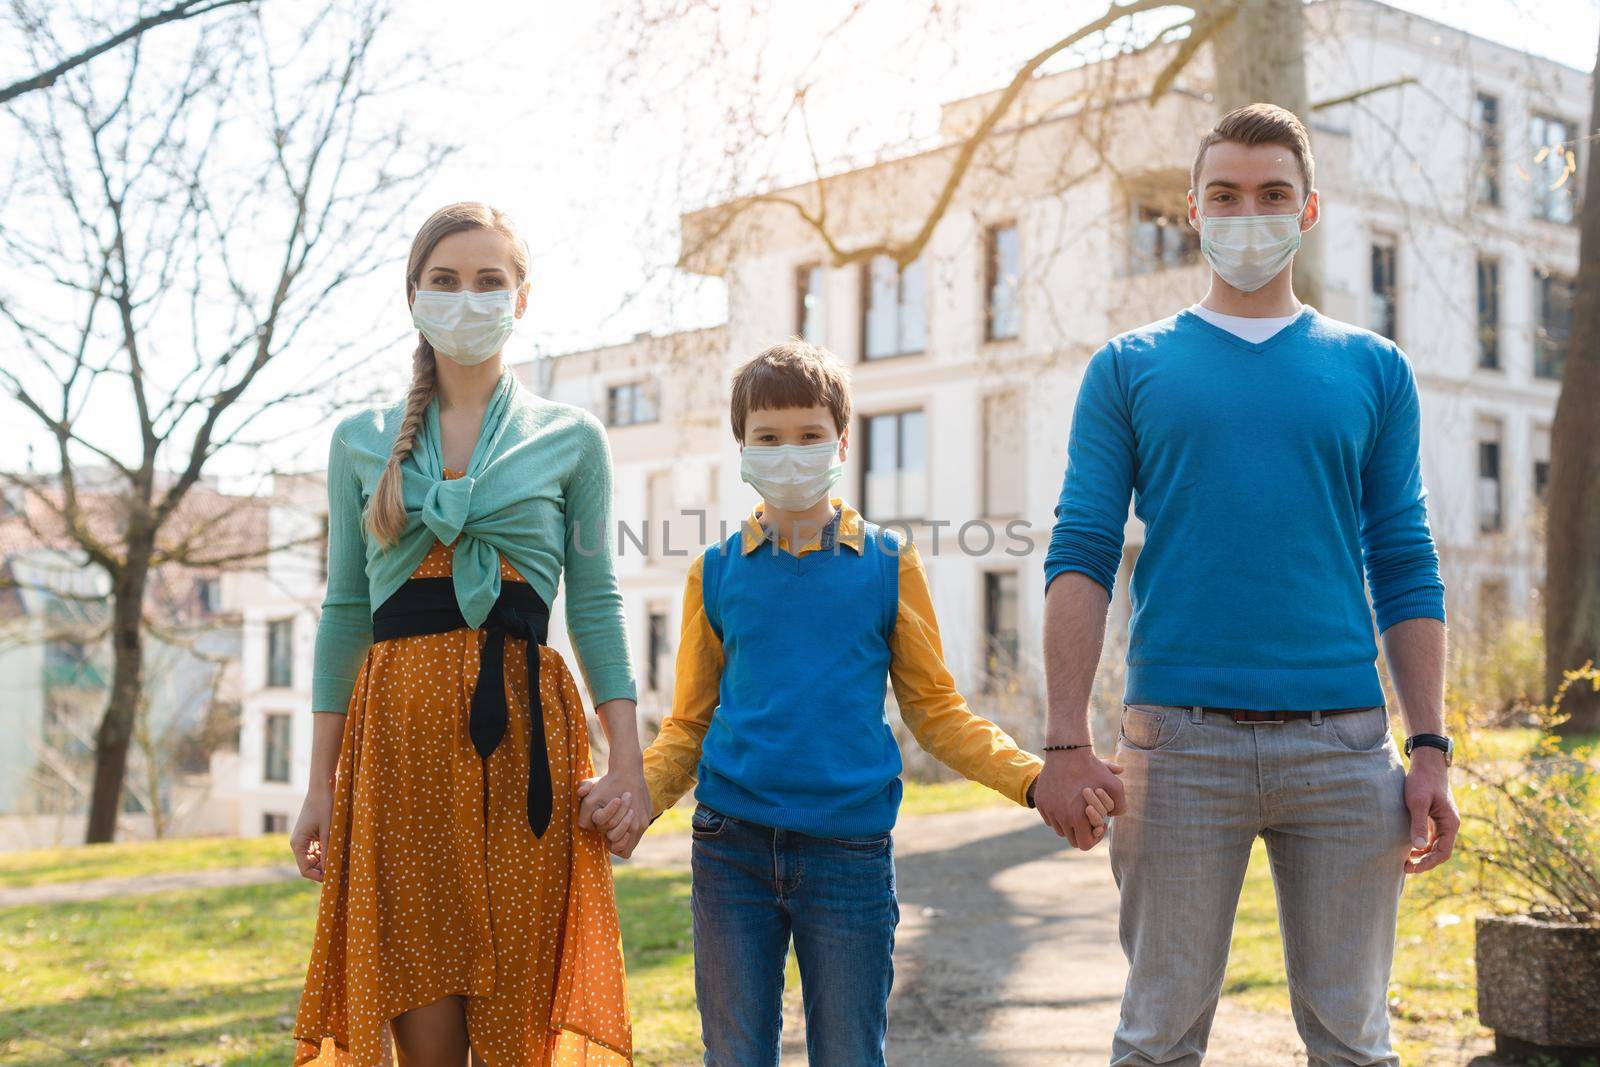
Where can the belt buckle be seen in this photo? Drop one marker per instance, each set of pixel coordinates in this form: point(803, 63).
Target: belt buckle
point(1278, 721)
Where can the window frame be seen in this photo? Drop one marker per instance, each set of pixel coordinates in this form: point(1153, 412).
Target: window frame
point(1384, 242)
point(899, 415)
point(991, 276)
point(286, 627)
point(867, 307)
point(1488, 154)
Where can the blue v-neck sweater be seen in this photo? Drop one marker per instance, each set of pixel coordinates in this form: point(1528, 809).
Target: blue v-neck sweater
point(1268, 476)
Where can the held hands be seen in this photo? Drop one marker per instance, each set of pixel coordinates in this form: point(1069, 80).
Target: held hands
point(1434, 820)
point(616, 805)
point(1075, 794)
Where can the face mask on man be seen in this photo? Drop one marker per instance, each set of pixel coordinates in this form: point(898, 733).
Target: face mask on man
point(791, 477)
point(1248, 251)
point(466, 327)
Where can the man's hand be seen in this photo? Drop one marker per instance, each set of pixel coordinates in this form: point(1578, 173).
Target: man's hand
point(1434, 819)
point(616, 805)
point(1059, 793)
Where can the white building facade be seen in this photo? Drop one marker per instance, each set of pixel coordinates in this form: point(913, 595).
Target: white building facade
point(1447, 224)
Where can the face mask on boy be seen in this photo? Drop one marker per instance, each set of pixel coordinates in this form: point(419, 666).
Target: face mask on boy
point(466, 327)
point(1248, 251)
point(791, 477)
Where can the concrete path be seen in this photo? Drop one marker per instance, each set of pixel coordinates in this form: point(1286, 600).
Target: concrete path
point(139, 884)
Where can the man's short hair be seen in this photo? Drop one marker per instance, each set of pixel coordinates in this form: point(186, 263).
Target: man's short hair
point(792, 374)
point(1259, 124)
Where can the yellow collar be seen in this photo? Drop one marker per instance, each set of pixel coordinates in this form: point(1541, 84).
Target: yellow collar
point(850, 532)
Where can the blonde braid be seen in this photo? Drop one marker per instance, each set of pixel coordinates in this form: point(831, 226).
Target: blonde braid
point(386, 511)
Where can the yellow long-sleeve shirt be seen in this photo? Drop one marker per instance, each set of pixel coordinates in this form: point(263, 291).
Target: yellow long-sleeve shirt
point(931, 706)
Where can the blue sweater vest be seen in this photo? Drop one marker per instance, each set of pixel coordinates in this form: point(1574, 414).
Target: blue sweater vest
point(800, 739)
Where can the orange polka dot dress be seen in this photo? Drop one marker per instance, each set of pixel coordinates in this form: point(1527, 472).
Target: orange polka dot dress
point(434, 884)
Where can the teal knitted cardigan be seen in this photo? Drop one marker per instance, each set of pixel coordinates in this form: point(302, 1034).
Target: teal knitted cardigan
point(538, 489)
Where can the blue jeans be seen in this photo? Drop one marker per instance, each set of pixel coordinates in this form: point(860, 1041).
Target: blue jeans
point(754, 888)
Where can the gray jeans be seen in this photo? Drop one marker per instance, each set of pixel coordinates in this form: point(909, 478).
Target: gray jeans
point(1327, 794)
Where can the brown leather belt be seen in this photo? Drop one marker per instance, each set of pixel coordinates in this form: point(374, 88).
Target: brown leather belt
point(1253, 715)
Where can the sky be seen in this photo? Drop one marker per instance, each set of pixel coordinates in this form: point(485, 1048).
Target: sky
point(594, 133)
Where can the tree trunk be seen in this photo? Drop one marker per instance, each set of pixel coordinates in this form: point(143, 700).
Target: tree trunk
point(122, 705)
point(1572, 538)
point(1260, 57)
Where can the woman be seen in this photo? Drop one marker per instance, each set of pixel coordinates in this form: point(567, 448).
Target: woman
point(459, 902)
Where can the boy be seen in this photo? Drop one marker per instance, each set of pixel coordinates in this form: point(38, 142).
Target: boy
point(778, 710)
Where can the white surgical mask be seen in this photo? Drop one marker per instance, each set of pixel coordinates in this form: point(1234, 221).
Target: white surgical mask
point(791, 477)
point(1248, 251)
point(467, 327)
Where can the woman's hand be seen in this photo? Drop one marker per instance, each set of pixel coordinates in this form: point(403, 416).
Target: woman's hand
point(309, 841)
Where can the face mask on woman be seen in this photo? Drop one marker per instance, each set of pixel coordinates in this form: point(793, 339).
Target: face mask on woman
point(466, 327)
point(791, 477)
point(1248, 251)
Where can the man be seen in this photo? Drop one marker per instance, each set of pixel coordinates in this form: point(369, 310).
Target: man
point(1272, 454)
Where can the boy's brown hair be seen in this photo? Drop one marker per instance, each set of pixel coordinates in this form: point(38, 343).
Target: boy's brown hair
point(1259, 124)
point(791, 374)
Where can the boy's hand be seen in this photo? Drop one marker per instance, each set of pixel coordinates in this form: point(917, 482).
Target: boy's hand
point(618, 816)
point(1097, 808)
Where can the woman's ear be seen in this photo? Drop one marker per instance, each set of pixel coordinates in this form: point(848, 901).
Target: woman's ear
point(522, 297)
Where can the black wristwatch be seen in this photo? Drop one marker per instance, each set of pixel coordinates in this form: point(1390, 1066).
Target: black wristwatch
point(1438, 741)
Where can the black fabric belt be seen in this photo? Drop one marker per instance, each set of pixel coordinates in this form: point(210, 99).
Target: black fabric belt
point(428, 606)
point(1252, 715)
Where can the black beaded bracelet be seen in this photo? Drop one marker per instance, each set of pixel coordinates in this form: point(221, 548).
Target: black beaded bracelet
point(1064, 748)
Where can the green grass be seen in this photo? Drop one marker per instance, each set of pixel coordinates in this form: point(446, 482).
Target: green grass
point(213, 976)
point(53, 865)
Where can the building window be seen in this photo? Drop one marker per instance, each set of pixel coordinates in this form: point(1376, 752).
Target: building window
point(274, 822)
point(1555, 169)
point(999, 627)
point(656, 651)
point(630, 404)
point(1550, 340)
point(1003, 273)
point(1541, 463)
point(808, 303)
point(1486, 124)
point(1489, 314)
point(208, 592)
point(892, 301)
point(280, 653)
point(1003, 454)
point(277, 748)
point(1161, 239)
point(1384, 312)
point(894, 479)
point(1491, 518)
